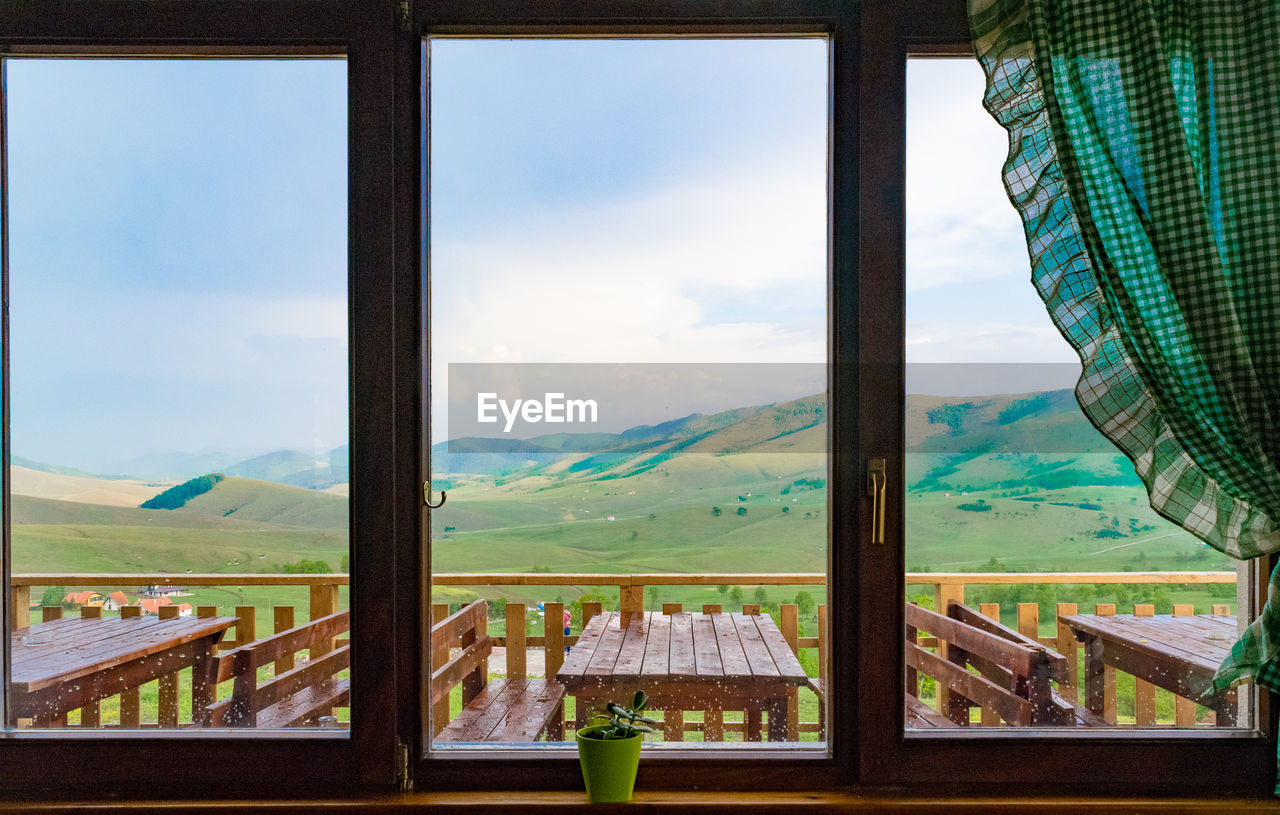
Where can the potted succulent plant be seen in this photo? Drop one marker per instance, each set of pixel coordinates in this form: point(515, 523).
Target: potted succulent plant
point(610, 752)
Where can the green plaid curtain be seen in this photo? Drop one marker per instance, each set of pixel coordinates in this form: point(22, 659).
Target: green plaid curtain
point(1145, 161)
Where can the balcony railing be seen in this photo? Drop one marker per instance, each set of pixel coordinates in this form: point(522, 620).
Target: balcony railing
point(324, 599)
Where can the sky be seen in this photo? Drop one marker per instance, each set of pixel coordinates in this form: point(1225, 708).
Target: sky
point(179, 231)
point(178, 257)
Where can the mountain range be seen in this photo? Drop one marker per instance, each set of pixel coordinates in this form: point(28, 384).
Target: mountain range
point(945, 434)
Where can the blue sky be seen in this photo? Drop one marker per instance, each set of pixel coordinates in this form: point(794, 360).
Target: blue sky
point(178, 241)
point(639, 201)
point(178, 257)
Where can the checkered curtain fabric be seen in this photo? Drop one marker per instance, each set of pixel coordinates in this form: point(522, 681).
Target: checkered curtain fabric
point(1144, 158)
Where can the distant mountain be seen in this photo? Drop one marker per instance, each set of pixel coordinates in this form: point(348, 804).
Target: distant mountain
point(760, 428)
point(19, 461)
point(296, 469)
point(274, 466)
point(173, 466)
point(1042, 422)
point(1048, 424)
point(1011, 440)
point(490, 456)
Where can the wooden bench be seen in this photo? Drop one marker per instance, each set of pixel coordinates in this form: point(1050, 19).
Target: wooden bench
point(504, 710)
point(295, 695)
point(1013, 672)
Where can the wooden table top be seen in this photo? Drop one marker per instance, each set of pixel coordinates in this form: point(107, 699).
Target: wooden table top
point(1196, 644)
point(686, 646)
point(59, 651)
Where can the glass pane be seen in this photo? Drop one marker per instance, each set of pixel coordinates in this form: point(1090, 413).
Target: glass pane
point(629, 237)
point(1046, 591)
point(178, 383)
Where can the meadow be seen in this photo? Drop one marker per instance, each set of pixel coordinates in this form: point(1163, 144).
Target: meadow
point(728, 498)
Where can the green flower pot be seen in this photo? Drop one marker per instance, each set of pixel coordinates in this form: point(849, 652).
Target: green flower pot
point(608, 765)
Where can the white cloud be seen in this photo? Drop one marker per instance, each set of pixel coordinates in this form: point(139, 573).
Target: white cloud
point(637, 281)
point(1032, 339)
point(960, 224)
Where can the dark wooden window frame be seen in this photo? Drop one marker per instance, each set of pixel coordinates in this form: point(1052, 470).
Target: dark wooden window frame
point(1186, 763)
point(154, 763)
point(838, 20)
point(382, 40)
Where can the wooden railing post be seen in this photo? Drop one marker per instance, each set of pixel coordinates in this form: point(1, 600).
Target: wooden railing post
point(130, 702)
point(789, 616)
point(1093, 662)
point(21, 610)
point(1029, 620)
point(631, 602)
point(1068, 647)
point(474, 682)
point(1184, 710)
point(822, 671)
point(439, 713)
point(167, 705)
point(1144, 693)
point(282, 620)
point(944, 594)
point(553, 637)
point(324, 601)
point(247, 625)
point(50, 613)
point(516, 660)
point(672, 608)
point(91, 714)
point(989, 718)
point(589, 610)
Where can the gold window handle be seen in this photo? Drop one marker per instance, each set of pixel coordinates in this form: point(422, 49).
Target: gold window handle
point(877, 481)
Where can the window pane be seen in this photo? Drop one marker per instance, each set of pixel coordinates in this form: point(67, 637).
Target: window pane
point(629, 236)
point(1011, 492)
point(178, 383)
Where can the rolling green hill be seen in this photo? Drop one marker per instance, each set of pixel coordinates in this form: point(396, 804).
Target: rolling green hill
point(28, 510)
point(252, 500)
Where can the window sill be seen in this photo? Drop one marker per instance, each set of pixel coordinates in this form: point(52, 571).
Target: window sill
point(675, 802)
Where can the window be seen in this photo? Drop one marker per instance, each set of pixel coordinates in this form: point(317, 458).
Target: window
point(1009, 490)
point(628, 284)
point(168, 174)
point(177, 399)
point(389, 337)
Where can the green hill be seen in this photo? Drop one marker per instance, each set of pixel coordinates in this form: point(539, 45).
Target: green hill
point(28, 510)
point(253, 500)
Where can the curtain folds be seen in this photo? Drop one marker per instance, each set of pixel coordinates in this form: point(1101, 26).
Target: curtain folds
point(1145, 161)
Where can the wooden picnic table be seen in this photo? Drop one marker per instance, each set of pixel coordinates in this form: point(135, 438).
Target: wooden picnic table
point(65, 664)
point(1177, 653)
point(686, 661)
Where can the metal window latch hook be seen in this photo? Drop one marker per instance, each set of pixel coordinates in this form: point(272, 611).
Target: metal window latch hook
point(426, 496)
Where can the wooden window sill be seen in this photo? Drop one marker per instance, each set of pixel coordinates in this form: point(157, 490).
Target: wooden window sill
point(700, 803)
